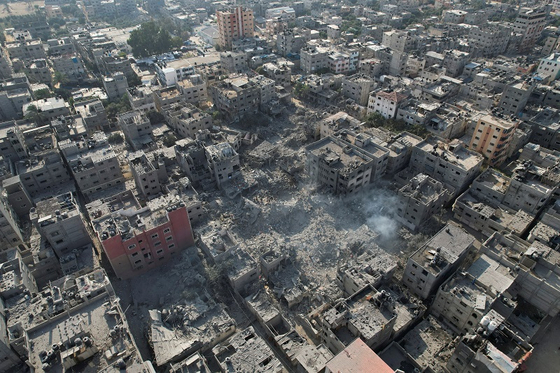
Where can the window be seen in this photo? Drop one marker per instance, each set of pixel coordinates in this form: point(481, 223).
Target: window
point(130, 247)
point(155, 235)
point(167, 230)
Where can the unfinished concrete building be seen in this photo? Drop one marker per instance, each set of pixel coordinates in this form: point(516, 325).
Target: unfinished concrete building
point(187, 119)
point(137, 129)
point(149, 174)
point(235, 97)
point(223, 162)
point(141, 99)
point(137, 239)
point(60, 221)
point(357, 87)
point(436, 260)
point(421, 198)
point(339, 166)
point(93, 162)
point(191, 157)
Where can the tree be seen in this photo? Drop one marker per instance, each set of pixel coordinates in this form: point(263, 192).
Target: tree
point(155, 117)
point(150, 39)
point(115, 138)
point(59, 78)
point(42, 93)
point(32, 113)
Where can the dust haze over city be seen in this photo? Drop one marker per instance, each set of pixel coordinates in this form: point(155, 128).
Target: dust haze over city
point(279, 186)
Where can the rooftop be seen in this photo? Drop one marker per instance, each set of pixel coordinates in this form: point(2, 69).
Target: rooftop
point(356, 358)
point(454, 152)
point(443, 249)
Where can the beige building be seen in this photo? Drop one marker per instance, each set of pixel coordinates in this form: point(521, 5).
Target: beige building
point(234, 24)
point(492, 137)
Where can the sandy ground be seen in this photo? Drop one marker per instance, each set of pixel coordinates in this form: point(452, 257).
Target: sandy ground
point(19, 9)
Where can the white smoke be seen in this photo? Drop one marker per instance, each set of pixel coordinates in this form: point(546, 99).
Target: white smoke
point(378, 206)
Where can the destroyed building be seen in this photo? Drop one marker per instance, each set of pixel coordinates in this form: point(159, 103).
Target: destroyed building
point(420, 199)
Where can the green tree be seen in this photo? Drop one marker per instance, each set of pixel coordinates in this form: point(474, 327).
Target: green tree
point(59, 78)
point(155, 117)
point(43, 93)
point(32, 113)
point(115, 138)
point(150, 39)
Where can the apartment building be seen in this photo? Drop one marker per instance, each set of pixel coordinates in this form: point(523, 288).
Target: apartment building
point(93, 162)
point(234, 62)
point(386, 103)
point(49, 108)
point(71, 66)
point(357, 87)
point(492, 137)
point(421, 198)
point(149, 173)
point(235, 97)
point(339, 166)
point(141, 99)
point(529, 23)
point(60, 221)
point(38, 71)
point(234, 24)
point(136, 127)
point(450, 163)
point(436, 260)
point(313, 59)
point(115, 86)
point(223, 162)
point(193, 89)
point(398, 41)
point(187, 119)
point(10, 232)
point(137, 239)
point(93, 114)
point(549, 67)
point(489, 40)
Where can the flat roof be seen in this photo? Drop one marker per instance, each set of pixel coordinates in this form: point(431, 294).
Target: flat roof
point(357, 357)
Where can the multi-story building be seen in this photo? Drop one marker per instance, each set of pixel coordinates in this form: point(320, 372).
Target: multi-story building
point(398, 41)
point(137, 239)
point(550, 67)
point(281, 74)
point(386, 103)
point(148, 174)
point(285, 13)
point(141, 99)
point(514, 98)
point(93, 162)
point(38, 71)
point(492, 137)
point(10, 232)
point(338, 62)
point(187, 120)
point(234, 62)
point(193, 89)
point(223, 162)
point(421, 198)
point(452, 164)
point(357, 87)
point(454, 62)
point(267, 91)
point(313, 59)
point(60, 221)
point(116, 86)
point(6, 69)
point(530, 24)
point(235, 97)
point(234, 24)
point(436, 260)
point(136, 127)
point(339, 166)
point(93, 114)
point(489, 40)
point(70, 66)
point(48, 108)
point(290, 41)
